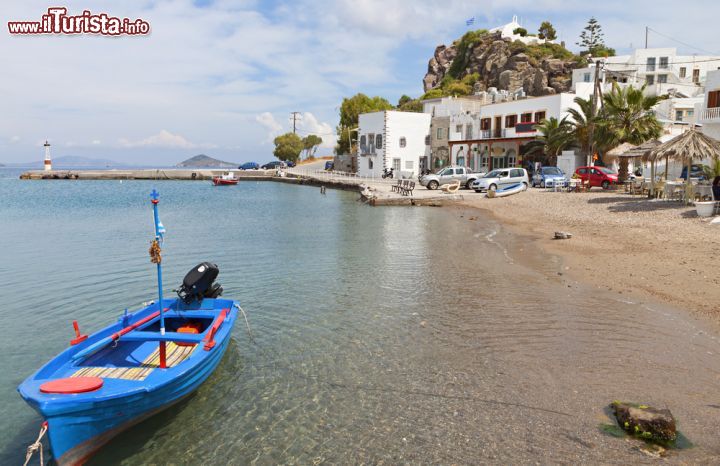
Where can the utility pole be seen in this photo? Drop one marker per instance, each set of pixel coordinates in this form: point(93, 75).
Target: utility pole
point(593, 109)
point(294, 119)
point(646, 36)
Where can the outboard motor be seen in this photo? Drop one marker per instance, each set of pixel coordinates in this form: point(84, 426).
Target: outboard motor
point(200, 283)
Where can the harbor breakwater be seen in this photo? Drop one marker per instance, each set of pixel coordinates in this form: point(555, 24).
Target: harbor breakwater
point(374, 193)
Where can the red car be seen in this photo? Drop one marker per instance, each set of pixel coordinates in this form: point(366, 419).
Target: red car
point(599, 176)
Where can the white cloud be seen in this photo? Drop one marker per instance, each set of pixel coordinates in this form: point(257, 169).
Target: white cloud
point(217, 72)
point(14, 139)
point(309, 124)
point(164, 139)
point(271, 125)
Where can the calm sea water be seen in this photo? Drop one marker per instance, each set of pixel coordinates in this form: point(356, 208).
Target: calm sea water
point(381, 335)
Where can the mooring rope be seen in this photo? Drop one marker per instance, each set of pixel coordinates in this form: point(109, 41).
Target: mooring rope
point(247, 324)
point(37, 446)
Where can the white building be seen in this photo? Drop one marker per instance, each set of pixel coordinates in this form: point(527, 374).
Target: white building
point(508, 32)
point(709, 111)
point(492, 138)
point(391, 139)
point(661, 69)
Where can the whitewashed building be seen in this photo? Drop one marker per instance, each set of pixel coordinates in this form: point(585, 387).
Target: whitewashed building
point(493, 135)
point(392, 139)
point(507, 31)
point(661, 69)
point(709, 110)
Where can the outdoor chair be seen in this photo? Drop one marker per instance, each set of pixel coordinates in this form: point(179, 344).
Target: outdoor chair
point(408, 188)
point(396, 186)
point(659, 189)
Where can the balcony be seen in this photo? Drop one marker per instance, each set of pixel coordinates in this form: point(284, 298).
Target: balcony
point(710, 115)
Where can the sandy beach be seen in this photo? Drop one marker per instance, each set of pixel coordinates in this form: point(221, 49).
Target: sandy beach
point(651, 249)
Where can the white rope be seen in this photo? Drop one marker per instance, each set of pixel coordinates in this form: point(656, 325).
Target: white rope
point(247, 324)
point(37, 446)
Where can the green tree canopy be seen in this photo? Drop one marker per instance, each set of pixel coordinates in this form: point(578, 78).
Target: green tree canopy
point(288, 147)
point(522, 32)
point(547, 31)
point(350, 109)
point(310, 144)
point(628, 116)
point(555, 136)
point(591, 38)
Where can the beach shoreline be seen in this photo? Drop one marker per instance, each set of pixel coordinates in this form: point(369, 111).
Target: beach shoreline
point(645, 250)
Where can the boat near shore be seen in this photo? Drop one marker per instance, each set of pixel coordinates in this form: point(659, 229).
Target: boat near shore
point(226, 179)
point(130, 370)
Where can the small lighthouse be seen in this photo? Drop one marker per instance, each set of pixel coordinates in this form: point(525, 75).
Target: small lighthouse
point(48, 162)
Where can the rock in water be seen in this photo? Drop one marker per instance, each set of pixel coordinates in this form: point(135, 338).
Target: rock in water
point(657, 425)
point(562, 235)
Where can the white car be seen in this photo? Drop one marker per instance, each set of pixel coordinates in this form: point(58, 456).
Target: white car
point(497, 179)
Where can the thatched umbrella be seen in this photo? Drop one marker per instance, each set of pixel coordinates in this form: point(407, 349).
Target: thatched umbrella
point(617, 153)
point(692, 144)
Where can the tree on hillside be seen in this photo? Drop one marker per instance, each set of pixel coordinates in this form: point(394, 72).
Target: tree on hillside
point(522, 32)
point(547, 31)
point(555, 136)
point(403, 100)
point(288, 147)
point(349, 111)
point(311, 143)
point(591, 39)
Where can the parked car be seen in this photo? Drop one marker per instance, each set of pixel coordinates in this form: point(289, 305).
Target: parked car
point(275, 164)
point(501, 177)
point(450, 175)
point(329, 165)
point(598, 176)
point(249, 166)
point(696, 171)
point(289, 163)
point(549, 176)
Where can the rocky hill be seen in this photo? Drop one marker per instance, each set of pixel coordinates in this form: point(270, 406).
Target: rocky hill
point(203, 161)
point(487, 60)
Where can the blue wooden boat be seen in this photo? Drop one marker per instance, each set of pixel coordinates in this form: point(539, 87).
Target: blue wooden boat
point(134, 368)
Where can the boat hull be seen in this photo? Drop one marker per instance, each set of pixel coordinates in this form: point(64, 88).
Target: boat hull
point(508, 190)
point(222, 182)
point(80, 424)
point(75, 438)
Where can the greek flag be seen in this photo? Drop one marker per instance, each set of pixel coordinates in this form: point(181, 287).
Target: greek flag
point(470, 21)
point(161, 230)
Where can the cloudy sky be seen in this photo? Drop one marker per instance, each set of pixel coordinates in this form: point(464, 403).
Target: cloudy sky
point(221, 76)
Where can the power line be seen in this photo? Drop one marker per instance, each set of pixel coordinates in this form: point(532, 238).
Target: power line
point(676, 40)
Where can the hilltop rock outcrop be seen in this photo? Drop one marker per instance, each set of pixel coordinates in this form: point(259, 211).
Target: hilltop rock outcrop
point(504, 64)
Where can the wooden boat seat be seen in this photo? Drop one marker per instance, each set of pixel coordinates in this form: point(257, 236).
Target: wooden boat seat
point(175, 355)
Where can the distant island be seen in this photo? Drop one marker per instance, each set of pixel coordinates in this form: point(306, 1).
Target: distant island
point(204, 161)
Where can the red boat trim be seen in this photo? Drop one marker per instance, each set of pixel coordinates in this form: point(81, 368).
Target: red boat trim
point(137, 324)
point(210, 338)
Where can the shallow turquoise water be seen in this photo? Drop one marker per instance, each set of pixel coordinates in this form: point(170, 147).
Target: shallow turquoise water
point(381, 335)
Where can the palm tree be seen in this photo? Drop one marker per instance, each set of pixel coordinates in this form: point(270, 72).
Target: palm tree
point(555, 136)
point(629, 117)
point(581, 126)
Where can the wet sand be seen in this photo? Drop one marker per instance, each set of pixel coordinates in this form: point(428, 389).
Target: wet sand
point(650, 250)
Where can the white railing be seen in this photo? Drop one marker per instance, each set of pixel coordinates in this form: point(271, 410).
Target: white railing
point(333, 176)
point(711, 114)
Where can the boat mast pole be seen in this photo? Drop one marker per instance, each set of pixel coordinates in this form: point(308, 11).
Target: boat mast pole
point(155, 202)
